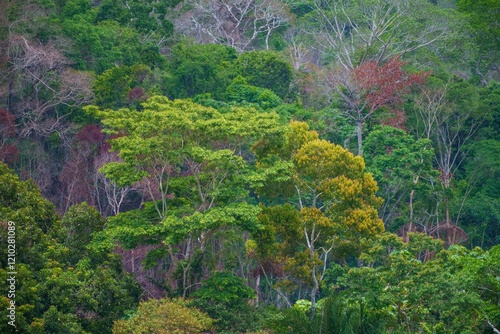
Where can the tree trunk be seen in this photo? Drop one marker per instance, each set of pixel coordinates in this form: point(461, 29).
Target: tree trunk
point(359, 130)
point(313, 291)
point(410, 226)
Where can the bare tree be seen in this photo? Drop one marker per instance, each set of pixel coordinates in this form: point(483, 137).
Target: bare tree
point(108, 195)
point(299, 53)
point(377, 30)
point(450, 126)
point(236, 23)
point(75, 181)
point(42, 82)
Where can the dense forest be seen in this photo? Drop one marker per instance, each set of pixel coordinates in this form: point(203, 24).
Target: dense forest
point(250, 166)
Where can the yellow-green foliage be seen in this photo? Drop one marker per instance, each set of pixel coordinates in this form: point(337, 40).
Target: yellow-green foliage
point(164, 316)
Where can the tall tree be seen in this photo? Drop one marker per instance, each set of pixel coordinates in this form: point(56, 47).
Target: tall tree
point(448, 114)
point(376, 30)
point(192, 163)
point(370, 87)
point(236, 23)
point(334, 194)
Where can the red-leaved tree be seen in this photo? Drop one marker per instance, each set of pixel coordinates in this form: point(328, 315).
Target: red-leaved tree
point(8, 149)
point(371, 87)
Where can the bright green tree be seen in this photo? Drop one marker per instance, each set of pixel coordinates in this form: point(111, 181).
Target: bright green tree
point(191, 162)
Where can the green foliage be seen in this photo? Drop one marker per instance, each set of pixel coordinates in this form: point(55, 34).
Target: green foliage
point(179, 135)
point(78, 225)
point(490, 97)
point(224, 288)
point(480, 211)
point(164, 316)
point(335, 208)
point(114, 10)
point(239, 91)
point(241, 214)
point(443, 293)
point(74, 7)
point(266, 69)
point(192, 161)
point(221, 174)
point(51, 296)
point(58, 322)
point(111, 87)
point(403, 170)
point(198, 69)
point(333, 315)
point(103, 45)
point(124, 86)
point(33, 216)
point(279, 233)
point(483, 16)
point(111, 33)
point(147, 17)
point(225, 299)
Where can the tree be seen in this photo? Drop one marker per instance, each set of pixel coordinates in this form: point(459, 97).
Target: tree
point(79, 223)
point(200, 69)
point(479, 214)
point(191, 162)
point(32, 218)
point(45, 83)
point(86, 289)
point(124, 86)
point(486, 30)
point(224, 297)
point(377, 31)
point(402, 167)
point(164, 316)
point(241, 92)
point(109, 196)
point(235, 23)
point(334, 315)
point(370, 87)
point(448, 114)
point(169, 139)
point(265, 69)
point(333, 193)
point(439, 294)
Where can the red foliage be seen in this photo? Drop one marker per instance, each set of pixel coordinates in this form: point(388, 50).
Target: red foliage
point(397, 119)
point(384, 86)
point(7, 122)
point(8, 150)
point(106, 146)
point(91, 134)
point(9, 153)
point(137, 94)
